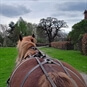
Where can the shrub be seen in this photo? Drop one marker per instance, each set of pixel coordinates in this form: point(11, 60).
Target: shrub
point(62, 45)
point(84, 44)
point(42, 44)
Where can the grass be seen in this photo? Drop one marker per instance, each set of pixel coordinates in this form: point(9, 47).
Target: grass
point(8, 57)
point(72, 57)
point(7, 62)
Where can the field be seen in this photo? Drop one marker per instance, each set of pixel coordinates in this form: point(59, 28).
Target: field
point(7, 62)
point(8, 57)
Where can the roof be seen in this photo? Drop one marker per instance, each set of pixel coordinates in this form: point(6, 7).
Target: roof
point(85, 11)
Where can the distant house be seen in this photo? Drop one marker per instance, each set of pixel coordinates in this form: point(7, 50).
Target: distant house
point(85, 14)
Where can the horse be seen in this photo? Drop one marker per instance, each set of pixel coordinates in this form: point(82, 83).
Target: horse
point(34, 69)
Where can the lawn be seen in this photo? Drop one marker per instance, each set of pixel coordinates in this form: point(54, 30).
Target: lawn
point(8, 57)
point(7, 62)
point(74, 58)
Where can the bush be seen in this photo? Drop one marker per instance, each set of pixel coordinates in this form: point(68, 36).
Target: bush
point(84, 44)
point(62, 45)
point(42, 44)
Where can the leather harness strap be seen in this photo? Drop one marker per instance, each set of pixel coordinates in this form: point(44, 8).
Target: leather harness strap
point(76, 76)
point(75, 84)
point(40, 64)
point(9, 79)
point(65, 69)
point(46, 74)
point(25, 78)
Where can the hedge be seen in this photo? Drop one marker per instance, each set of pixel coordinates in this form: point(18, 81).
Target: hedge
point(66, 45)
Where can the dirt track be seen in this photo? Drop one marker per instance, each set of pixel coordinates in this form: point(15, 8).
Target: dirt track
point(84, 77)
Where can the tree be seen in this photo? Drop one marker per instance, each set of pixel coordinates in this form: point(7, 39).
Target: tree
point(12, 25)
point(78, 30)
point(30, 28)
point(20, 27)
point(1, 39)
point(3, 33)
point(41, 35)
point(24, 27)
point(15, 30)
point(76, 34)
point(51, 26)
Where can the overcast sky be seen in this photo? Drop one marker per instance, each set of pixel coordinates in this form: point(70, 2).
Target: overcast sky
point(71, 11)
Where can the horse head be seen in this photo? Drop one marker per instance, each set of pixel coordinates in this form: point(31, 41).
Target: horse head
point(25, 45)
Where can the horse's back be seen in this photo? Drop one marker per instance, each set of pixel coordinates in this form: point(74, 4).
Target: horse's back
point(29, 72)
point(21, 71)
point(75, 75)
point(31, 65)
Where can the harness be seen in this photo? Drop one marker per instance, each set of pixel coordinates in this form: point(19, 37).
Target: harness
point(40, 64)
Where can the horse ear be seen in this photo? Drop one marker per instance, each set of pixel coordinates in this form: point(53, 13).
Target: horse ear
point(33, 35)
point(20, 37)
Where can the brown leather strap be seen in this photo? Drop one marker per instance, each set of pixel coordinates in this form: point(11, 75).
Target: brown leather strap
point(25, 78)
point(46, 74)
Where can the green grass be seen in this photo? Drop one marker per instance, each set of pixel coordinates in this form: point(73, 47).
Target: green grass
point(72, 57)
point(7, 62)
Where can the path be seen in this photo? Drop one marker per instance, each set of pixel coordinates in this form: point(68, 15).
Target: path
point(84, 77)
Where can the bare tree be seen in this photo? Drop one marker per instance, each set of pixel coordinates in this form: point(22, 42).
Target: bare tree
point(12, 26)
point(51, 27)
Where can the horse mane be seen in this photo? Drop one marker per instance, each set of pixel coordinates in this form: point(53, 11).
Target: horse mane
point(24, 45)
point(59, 78)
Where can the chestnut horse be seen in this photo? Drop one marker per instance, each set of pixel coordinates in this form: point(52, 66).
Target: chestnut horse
point(33, 69)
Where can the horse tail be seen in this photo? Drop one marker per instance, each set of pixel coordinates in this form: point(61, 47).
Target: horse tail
point(59, 78)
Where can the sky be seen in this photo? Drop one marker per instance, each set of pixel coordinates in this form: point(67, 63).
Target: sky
point(71, 11)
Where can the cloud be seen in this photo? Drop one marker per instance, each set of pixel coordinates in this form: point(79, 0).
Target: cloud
point(67, 14)
point(13, 11)
point(69, 10)
point(72, 6)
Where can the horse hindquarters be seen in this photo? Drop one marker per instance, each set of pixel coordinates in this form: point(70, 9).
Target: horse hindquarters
point(59, 78)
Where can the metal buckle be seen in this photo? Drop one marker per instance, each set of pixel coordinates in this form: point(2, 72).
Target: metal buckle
point(48, 60)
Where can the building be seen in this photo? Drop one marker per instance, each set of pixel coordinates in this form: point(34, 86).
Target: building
point(85, 14)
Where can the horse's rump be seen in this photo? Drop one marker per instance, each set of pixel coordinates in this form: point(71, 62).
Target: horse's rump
point(22, 77)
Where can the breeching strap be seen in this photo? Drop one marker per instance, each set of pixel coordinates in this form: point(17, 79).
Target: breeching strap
point(46, 74)
point(25, 78)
